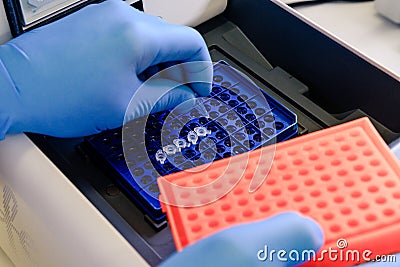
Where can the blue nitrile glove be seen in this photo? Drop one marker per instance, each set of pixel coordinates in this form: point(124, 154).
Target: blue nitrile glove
point(384, 261)
point(76, 76)
point(243, 245)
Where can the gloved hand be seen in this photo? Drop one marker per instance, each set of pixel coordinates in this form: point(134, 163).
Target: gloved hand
point(76, 76)
point(243, 245)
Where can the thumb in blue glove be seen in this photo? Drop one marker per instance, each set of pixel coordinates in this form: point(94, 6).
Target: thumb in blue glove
point(76, 76)
point(254, 244)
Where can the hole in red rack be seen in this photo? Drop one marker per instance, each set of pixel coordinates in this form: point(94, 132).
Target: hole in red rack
point(185, 195)
point(356, 194)
point(270, 181)
point(319, 167)
point(276, 192)
point(368, 152)
point(281, 203)
point(249, 176)
point(297, 162)
point(361, 143)
point(181, 183)
point(230, 171)
point(370, 217)
point(354, 133)
point(388, 212)
point(313, 157)
point(247, 213)
point(242, 202)
point(353, 223)
point(390, 184)
point(287, 177)
point(323, 143)
point(332, 188)
point(307, 148)
point(345, 148)
point(238, 191)
point(363, 205)
point(201, 190)
point(205, 201)
point(233, 181)
point(321, 204)
point(380, 200)
point(335, 228)
point(329, 152)
point(375, 162)
point(212, 175)
point(196, 228)
point(230, 218)
point(339, 138)
point(348, 183)
point(197, 180)
point(315, 193)
point(259, 197)
point(298, 198)
point(366, 178)
point(192, 217)
point(345, 210)
point(309, 182)
point(265, 208)
point(325, 177)
point(373, 189)
point(209, 212)
point(213, 224)
point(292, 187)
point(304, 209)
point(217, 186)
point(339, 199)
point(342, 172)
point(303, 172)
point(226, 207)
point(336, 162)
point(358, 167)
point(281, 167)
point(382, 173)
point(396, 195)
point(352, 157)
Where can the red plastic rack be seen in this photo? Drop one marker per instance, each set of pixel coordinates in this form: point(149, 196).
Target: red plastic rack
point(344, 177)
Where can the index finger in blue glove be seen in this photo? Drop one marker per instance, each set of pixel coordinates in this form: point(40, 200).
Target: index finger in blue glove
point(157, 95)
point(167, 44)
point(246, 244)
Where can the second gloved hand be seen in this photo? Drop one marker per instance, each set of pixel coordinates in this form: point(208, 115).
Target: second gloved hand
point(254, 244)
point(76, 76)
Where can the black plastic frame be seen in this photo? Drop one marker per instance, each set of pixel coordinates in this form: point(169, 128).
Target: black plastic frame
point(339, 81)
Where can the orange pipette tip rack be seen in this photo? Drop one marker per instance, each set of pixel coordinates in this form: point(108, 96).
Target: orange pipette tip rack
point(344, 177)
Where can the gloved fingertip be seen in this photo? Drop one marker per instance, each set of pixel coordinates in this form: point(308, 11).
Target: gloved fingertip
point(201, 89)
point(181, 96)
point(200, 76)
point(315, 232)
point(305, 225)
